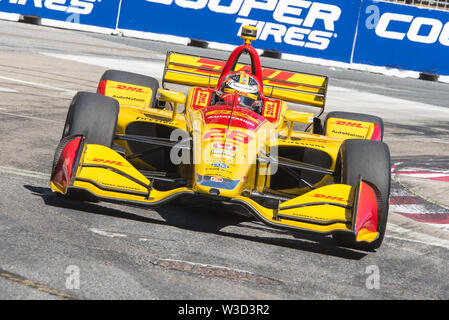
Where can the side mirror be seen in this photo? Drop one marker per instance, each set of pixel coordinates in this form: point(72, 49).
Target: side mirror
point(171, 96)
point(299, 117)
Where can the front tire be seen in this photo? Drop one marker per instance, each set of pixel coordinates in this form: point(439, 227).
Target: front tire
point(369, 160)
point(94, 116)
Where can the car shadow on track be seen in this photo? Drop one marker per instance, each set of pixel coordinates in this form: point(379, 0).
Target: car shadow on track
point(207, 220)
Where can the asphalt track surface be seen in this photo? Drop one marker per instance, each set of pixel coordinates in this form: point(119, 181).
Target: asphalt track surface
point(123, 252)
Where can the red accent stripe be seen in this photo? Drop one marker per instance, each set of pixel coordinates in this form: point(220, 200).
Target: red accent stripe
point(415, 172)
point(436, 218)
point(377, 133)
point(63, 171)
point(102, 87)
point(445, 178)
point(401, 200)
point(366, 216)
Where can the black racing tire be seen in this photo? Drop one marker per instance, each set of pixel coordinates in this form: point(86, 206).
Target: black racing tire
point(94, 116)
point(134, 79)
point(357, 117)
point(370, 160)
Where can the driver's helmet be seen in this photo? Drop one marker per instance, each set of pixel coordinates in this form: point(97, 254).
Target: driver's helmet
point(243, 86)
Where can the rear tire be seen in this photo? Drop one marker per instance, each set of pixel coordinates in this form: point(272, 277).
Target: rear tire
point(371, 161)
point(356, 117)
point(94, 116)
point(133, 79)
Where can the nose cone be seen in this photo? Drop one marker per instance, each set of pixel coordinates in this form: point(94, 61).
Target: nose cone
point(226, 149)
point(224, 164)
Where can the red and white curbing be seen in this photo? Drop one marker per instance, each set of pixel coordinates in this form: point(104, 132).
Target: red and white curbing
point(414, 207)
point(437, 174)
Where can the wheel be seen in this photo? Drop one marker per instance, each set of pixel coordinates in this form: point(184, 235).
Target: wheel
point(370, 160)
point(94, 116)
point(133, 79)
point(357, 117)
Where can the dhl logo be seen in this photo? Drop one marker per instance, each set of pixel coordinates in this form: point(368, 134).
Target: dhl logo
point(349, 124)
point(129, 88)
point(111, 162)
point(269, 75)
point(326, 197)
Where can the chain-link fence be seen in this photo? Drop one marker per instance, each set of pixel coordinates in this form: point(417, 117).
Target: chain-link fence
point(438, 4)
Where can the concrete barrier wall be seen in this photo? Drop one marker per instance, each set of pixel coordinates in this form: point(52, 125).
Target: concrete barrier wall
point(364, 32)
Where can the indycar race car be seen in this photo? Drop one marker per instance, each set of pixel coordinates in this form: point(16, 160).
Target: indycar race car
point(233, 140)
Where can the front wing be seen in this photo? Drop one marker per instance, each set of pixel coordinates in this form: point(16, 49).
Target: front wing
point(104, 173)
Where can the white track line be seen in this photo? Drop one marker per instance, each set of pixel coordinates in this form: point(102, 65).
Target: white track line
point(145, 67)
point(28, 117)
point(417, 209)
point(25, 173)
point(39, 85)
point(414, 236)
point(107, 233)
point(8, 90)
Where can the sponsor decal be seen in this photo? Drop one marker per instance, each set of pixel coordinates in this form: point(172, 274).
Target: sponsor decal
point(425, 30)
point(306, 216)
point(105, 161)
point(202, 98)
point(225, 146)
point(222, 133)
point(129, 88)
point(224, 153)
point(126, 94)
point(307, 144)
point(245, 88)
point(348, 134)
point(240, 117)
point(217, 117)
point(220, 165)
point(127, 98)
point(216, 179)
point(270, 109)
point(215, 67)
point(217, 182)
point(83, 7)
point(326, 197)
point(118, 186)
point(301, 23)
point(349, 124)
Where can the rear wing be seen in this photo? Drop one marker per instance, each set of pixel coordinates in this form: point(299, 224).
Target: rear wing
point(285, 85)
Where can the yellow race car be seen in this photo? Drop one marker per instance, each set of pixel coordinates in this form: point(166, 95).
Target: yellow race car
point(232, 139)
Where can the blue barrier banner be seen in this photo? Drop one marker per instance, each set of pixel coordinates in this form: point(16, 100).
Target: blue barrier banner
point(322, 29)
point(403, 37)
point(87, 12)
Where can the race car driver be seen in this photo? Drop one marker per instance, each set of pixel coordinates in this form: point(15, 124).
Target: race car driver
point(243, 87)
